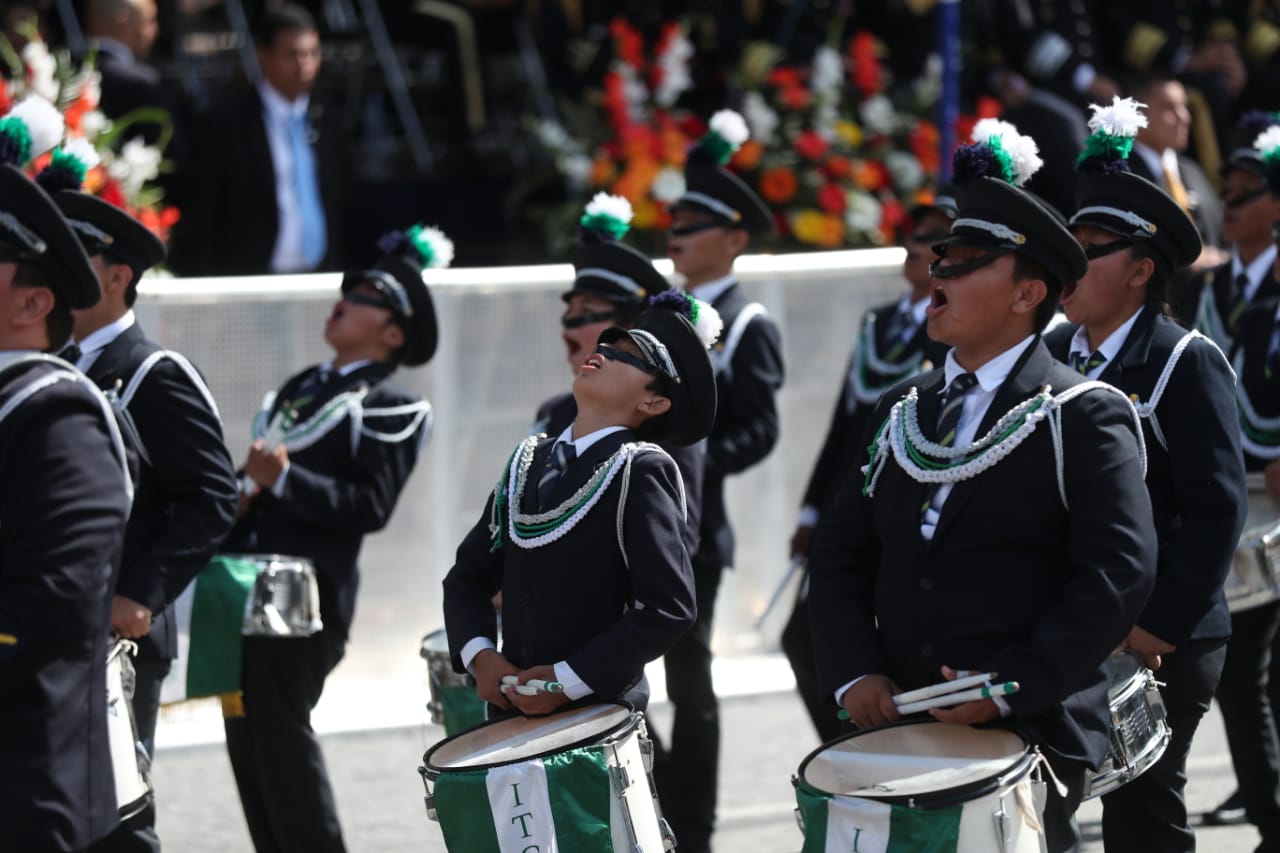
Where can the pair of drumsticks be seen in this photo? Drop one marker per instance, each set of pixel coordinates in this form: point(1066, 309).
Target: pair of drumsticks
point(532, 687)
point(970, 688)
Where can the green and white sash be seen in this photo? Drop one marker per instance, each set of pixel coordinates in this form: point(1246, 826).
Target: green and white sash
point(209, 618)
point(852, 825)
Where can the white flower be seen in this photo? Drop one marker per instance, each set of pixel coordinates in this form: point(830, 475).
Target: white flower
point(905, 169)
point(762, 120)
point(94, 123)
point(928, 86)
point(828, 71)
point(824, 120)
point(878, 115)
point(135, 165)
point(668, 185)
point(576, 168)
point(1122, 118)
point(553, 135)
point(862, 213)
point(42, 70)
point(674, 63)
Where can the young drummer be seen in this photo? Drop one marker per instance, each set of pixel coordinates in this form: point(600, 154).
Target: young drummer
point(920, 568)
point(1136, 237)
point(582, 535)
point(892, 345)
point(612, 286)
point(347, 440)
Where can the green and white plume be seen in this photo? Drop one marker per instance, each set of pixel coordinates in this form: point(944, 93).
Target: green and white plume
point(1017, 154)
point(1268, 145)
point(1114, 128)
point(68, 166)
point(607, 217)
point(728, 131)
point(28, 130)
point(432, 245)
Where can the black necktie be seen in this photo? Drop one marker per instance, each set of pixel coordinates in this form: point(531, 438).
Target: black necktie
point(1240, 301)
point(561, 457)
point(1086, 362)
point(70, 353)
point(896, 334)
point(949, 421)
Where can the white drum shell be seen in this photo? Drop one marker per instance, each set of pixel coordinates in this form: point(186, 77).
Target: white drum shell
point(285, 599)
point(133, 789)
point(914, 764)
point(1253, 579)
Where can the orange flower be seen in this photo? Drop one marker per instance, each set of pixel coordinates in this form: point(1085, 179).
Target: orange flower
point(831, 234)
point(839, 167)
point(870, 175)
point(645, 214)
point(635, 181)
point(778, 185)
point(794, 97)
point(603, 171)
point(95, 179)
point(74, 114)
point(924, 141)
point(639, 142)
point(674, 146)
point(748, 156)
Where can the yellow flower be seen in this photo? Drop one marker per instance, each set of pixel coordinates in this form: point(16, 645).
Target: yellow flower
point(644, 214)
point(850, 134)
point(809, 226)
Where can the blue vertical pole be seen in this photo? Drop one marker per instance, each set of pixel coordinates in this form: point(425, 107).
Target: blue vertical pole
point(949, 103)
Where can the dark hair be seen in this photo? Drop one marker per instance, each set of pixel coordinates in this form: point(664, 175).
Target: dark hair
point(627, 313)
point(396, 356)
point(655, 428)
point(1139, 86)
point(284, 18)
point(130, 292)
point(1157, 296)
point(1025, 268)
point(58, 323)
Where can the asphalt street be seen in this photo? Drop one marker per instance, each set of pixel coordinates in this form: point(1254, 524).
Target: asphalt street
point(765, 737)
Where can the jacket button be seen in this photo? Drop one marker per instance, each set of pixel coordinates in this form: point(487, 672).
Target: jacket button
point(926, 650)
point(926, 584)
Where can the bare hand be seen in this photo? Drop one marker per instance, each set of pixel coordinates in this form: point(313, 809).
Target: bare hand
point(129, 619)
point(543, 703)
point(265, 466)
point(242, 507)
point(1272, 472)
point(870, 701)
point(1148, 647)
point(490, 666)
point(802, 541)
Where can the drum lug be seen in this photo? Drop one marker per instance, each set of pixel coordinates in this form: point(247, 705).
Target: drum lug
point(1002, 826)
point(621, 781)
point(667, 833)
point(646, 749)
point(429, 800)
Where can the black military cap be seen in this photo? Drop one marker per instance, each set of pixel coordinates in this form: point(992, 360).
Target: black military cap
point(615, 272)
point(33, 229)
point(105, 229)
point(398, 275)
point(714, 189)
point(1243, 154)
point(1131, 206)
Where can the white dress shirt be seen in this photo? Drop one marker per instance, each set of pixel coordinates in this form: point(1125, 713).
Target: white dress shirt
point(287, 256)
point(710, 291)
point(95, 342)
point(1110, 347)
point(1257, 270)
point(574, 687)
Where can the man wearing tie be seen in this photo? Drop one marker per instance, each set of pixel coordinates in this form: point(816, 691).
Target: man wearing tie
point(267, 190)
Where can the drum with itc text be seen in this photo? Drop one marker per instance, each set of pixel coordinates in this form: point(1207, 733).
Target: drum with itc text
point(579, 779)
point(454, 703)
point(1255, 570)
point(130, 763)
point(922, 785)
point(1139, 732)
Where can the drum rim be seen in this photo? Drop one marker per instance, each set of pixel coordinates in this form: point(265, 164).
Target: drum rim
point(612, 735)
point(266, 558)
point(943, 797)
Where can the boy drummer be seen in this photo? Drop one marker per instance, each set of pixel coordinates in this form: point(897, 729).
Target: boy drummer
point(583, 533)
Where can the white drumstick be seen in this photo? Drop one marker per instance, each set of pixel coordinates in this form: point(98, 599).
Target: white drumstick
point(532, 687)
point(943, 688)
point(950, 699)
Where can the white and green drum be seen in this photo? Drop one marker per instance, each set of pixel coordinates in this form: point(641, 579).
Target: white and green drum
point(579, 779)
point(921, 785)
point(454, 703)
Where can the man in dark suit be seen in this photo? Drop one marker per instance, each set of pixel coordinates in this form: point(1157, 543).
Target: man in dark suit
point(186, 492)
point(348, 438)
point(267, 192)
point(123, 33)
point(594, 590)
point(63, 510)
point(920, 569)
point(713, 223)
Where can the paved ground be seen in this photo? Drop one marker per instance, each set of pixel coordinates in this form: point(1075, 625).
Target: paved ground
point(765, 736)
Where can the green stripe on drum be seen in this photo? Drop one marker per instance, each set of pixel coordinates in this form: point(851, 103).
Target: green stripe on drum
point(217, 620)
point(462, 806)
point(856, 825)
point(580, 794)
point(812, 806)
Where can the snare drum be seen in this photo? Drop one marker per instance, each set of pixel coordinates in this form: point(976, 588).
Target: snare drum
point(1139, 732)
point(577, 780)
point(129, 761)
point(1254, 569)
point(904, 785)
point(285, 600)
point(454, 702)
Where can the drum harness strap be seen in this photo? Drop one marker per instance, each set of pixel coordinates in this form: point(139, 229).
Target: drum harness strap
point(722, 358)
point(120, 400)
point(1260, 436)
point(66, 373)
point(866, 359)
point(927, 461)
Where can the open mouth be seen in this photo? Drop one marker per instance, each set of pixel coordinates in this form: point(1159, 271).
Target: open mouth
point(937, 297)
point(593, 362)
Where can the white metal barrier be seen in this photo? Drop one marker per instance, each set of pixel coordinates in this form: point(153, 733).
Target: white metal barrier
point(500, 355)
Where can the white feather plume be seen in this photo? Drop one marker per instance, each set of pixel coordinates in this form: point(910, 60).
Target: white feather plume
point(1268, 140)
point(83, 150)
point(709, 323)
point(613, 206)
point(732, 127)
point(1122, 118)
point(1021, 149)
point(44, 123)
point(986, 128)
point(441, 247)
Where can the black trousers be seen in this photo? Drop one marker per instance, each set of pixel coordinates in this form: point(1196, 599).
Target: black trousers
point(797, 645)
point(275, 756)
point(1150, 813)
point(687, 773)
point(138, 833)
point(1246, 698)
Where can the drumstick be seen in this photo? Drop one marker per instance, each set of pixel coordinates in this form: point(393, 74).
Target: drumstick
point(950, 699)
point(943, 687)
point(533, 686)
point(797, 563)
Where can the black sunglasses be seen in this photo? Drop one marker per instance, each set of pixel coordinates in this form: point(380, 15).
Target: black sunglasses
point(694, 228)
point(635, 361)
point(938, 269)
point(929, 237)
point(1101, 250)
point(587, 319)
point(355, 297)
point(1241, 199)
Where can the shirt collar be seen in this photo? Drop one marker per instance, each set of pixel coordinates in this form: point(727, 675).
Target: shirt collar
point(917, 308)
point(99, 338)
point(581, 445)
point(992, 374)
point(710, 291)
point(346, 369)
point(277, 107)
point(118, 49)
point(1257, 269)
point(1153, 159)
point(1111, 346)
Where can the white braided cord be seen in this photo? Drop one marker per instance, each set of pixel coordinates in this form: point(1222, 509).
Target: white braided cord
point(1250, 418)
point(1147, 409)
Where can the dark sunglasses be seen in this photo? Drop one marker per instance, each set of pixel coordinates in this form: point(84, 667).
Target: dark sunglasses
point(587, 319)
point(695, 228)
point(355, 297)
point(626, 358)
point(1241, 199)
point(1101, 250)
point(938, 269)
point(929, 237)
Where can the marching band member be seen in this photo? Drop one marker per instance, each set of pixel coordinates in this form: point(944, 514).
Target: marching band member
point(1246, 693)
point(186, 491)
point(611, 287)
point(1136, 237)
point(583, 533)
point(892, 345)
point(911, 580)
point(349, 438)
point(712, 224)
point(63, 514)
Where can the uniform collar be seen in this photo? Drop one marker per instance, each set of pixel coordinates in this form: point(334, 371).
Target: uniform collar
point(100, 338)
point(1257, 269)
point(992, 374)
point(710, 291)
point(581, 445)
point(1111, 346)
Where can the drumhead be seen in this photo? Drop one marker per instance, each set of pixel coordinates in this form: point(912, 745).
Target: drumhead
point(913, 760)
point(518, 739)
